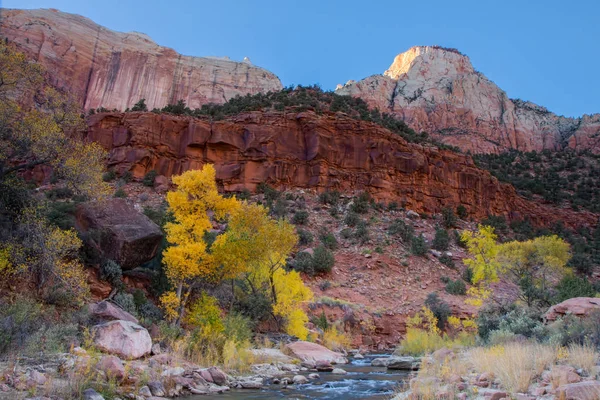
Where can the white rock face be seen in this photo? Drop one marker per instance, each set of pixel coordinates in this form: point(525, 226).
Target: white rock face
point(437, 90)
point(104, 68)
point(124, 339)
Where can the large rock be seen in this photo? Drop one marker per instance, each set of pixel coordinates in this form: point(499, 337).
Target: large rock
point(104, 68)
point(437, 90)
point(307, 351)
point(122, 338)
point(112, 366)
point(401, 363)
point(119, 231)
point(108, 311)
point(578, 306)
point(306, 150)
point(588, 390)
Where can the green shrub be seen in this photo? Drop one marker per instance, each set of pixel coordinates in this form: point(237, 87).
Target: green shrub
point(303, 262)
point(255, 305)
point(447, 261)
point(456, 287)
point(279, 209)
point(59, 193)
point(52, 339)
point(321, 321)
point(448, 218)
point(109, 176)
point(467, 275)
point(120, 193)
point(237, 327)
point(351, 219)
point(402, 229)
point(439, 308)
point(331, 198)
point(328, 240)
point(573, 286)
point(125, 301)
point(140, 106)
point(418, 246)
point(572, 329)
point(300, 217)
point(441, 241)
point(346, 233)
point(127, 176)
point(360, 204)
point(304, 237)
point(148, 179)
point(61, 214)
point(269, 192)
point(18, 321)
point(461, 212)
point(111, 272)
point(582, 263)
point(362, 232)
point(393, 206)
point(323, 260)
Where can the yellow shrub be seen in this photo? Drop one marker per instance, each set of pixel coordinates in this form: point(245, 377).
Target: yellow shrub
point(169, 302)
point(335, 340)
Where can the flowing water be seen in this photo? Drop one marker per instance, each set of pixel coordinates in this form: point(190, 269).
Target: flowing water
point(361, 382)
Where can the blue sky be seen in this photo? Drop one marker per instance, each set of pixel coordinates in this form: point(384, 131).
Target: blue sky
point(543, 51)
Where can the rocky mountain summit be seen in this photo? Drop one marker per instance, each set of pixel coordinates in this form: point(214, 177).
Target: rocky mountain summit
point(437, 90)
point(104, 68)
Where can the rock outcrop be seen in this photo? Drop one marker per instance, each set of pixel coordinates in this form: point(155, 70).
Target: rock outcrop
point(437, 90)
point(123, 339)
point(104, 68)
point(107, 311)
point(119, 231)
point(306, 150)
point(577, 306)
point(313, 352)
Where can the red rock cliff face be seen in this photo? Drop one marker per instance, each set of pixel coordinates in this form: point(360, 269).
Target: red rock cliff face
point(114, 70)
point(306, 150)
point(438, 91)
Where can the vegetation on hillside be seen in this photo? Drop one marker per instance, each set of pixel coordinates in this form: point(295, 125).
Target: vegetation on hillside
point(566, 177)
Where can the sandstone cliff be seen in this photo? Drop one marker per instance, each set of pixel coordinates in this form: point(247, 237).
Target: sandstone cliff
point(306, 150)
point(114, 70)
point(437, 90)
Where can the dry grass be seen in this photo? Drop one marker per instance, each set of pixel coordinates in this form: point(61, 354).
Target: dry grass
point(583, 356)
point(516, 364)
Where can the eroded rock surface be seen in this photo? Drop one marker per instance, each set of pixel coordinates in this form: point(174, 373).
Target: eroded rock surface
point(306, 150)
point(437, 90)
point(104, 68)
point(119, 231)
point(578, 306)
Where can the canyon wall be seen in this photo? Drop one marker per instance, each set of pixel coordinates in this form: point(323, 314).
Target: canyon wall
point(104, 68)
point(307, 150)
point(437, 90)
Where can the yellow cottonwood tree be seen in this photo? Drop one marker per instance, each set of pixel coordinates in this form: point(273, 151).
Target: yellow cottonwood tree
point(256, 248)
point(187, 260)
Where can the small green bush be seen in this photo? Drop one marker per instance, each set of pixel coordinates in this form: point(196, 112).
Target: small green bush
point(346, 233)
point(323, 260)
point(573, 286)
point(351, 219)
point(279, 209)
point(441, 241)
point(362, 232)
point(320, 321)
point(303, 262)
point(328, 240)
point(456, 287)
point(331, 198)
point(300, 217)
point(127, 176)
point(402, 229)
point(148, 179)
point(120, 193)
point(418, 246)
point(237, 327)
point(111, 272)
point(125, 301)
point(447, 261)
point(109, 176)
point(439, 308)
point(59, 193)
point(360, 204)
point(461, 212)
point(467, 275)
point(448, 218)
point(304, 237)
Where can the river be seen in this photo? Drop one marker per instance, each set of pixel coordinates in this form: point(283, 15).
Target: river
point(361, 382)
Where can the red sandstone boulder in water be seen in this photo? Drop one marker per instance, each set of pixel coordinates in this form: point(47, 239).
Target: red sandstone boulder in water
point(122, 338)
point(578, 306)
point(119, 231)
point(306, 351)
